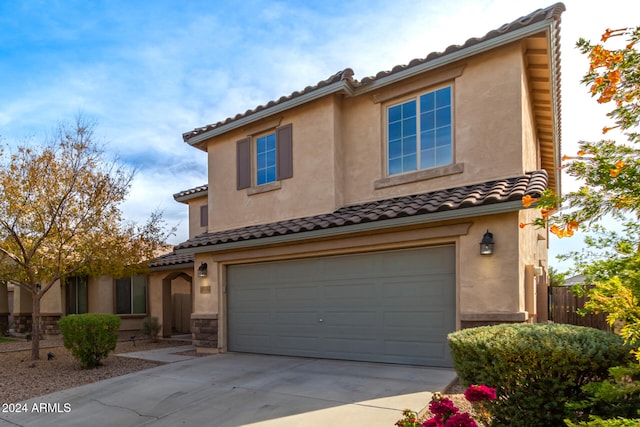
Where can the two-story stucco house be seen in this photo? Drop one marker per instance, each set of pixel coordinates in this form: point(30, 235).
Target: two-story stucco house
point(345, 220)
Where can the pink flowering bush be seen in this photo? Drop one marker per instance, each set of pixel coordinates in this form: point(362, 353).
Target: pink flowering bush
point(479, 393)
point(446, 414)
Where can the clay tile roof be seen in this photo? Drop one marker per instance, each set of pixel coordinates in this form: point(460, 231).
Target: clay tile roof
point(190, 193)
point(482, 194)
point(550, 13)
point(171, 259)
point(345, 75)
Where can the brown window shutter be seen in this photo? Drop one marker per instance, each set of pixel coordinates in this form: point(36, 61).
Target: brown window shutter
point(284, 141)
point(243, 163)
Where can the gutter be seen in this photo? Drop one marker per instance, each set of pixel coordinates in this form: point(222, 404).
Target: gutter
point(491, 209)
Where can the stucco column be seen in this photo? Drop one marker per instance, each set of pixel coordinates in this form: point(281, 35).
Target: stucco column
point(204, 319)
point(4, 308)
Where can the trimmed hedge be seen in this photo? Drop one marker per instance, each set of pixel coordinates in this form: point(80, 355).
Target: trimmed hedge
point(536, 369)
point(90, 337)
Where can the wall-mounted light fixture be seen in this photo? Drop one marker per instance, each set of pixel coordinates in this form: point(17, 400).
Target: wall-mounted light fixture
point(486, 245)
point(202, 270)
point(38, 288)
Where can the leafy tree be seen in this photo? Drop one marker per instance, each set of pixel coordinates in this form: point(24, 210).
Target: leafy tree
point(60, 216)
point(556, 278)
point(610, 175)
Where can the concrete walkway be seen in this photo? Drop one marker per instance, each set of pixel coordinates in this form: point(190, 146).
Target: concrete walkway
point(236, 389)
point(164, 355)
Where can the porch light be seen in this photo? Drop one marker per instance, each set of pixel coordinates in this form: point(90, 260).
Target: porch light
point(202, 270)
point(38, 287)
point(486, 245)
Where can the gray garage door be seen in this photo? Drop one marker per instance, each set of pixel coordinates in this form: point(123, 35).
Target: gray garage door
point(393, 307)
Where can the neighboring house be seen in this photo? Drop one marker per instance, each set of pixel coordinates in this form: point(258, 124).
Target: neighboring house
point(345, 220)
point(575, 280)
point(127, 297)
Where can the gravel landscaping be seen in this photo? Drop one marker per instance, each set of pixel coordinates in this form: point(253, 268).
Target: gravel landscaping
point(22, 378)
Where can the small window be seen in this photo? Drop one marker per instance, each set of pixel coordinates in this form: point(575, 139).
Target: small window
point(204, 216)
point(266, 158)
point(76, 294)
point(419, 132)
point(131, 295)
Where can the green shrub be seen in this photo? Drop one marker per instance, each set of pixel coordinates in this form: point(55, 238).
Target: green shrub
point(617, 396)
point(151, 327)
point(536, 369)
point(90, 337)
point(613, 422)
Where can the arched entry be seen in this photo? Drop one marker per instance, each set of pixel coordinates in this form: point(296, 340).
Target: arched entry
point(175, 303)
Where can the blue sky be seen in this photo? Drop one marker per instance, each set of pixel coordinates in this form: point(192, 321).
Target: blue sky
point(147, 71)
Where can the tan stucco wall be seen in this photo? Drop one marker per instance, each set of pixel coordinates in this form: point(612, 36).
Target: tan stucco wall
point(485, 122)
point(531, 148)
point(339, 146)
point(484, 284)
point(154, 293)
point(22, 301)
point(194, 216)
point(491, 283)
point(155, 289)
point(51, 302)
point(311, 190)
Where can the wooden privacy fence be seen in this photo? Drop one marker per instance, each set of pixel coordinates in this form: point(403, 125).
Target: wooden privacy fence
point(563, 307)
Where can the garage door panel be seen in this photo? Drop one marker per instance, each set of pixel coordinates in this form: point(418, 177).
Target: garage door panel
point(400, 288)
point(296, 296)
point(395, 306)
point(296, 319)
point(423, 320)
point(352, 349)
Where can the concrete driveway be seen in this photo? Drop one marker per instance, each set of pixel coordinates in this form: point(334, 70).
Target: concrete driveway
point(236, 389)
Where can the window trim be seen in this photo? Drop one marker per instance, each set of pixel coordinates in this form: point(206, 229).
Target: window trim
point(415, 96)
point(419, 175)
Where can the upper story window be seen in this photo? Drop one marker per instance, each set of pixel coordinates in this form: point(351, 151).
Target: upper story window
point(265, 159)
point(419, 132)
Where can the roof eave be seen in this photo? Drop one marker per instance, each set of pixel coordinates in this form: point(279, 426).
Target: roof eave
point(337, 87)
point(491, 209)
point(187, 197)
point(458, 55)
point(172, 266)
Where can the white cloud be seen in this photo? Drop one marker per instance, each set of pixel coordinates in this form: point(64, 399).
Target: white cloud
point(147, 72)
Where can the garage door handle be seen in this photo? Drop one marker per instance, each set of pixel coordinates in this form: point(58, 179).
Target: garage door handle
point(320, 320)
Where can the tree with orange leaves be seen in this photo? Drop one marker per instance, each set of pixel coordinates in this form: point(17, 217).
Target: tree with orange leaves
point(610, 177)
